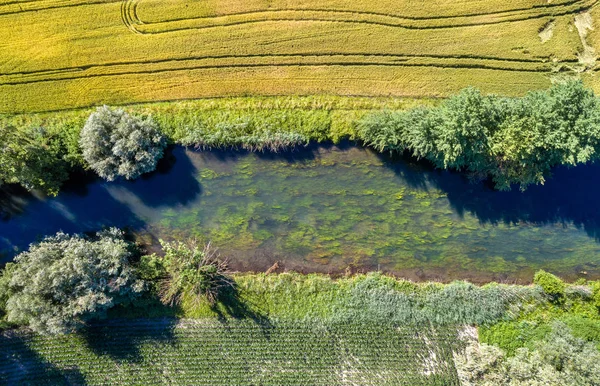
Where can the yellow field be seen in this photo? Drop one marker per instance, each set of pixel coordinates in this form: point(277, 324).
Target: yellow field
point(60, 54)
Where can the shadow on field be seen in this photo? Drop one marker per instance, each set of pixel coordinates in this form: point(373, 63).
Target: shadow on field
point(20, 365)
point(569, 196)
point(122, 339)
point(231, 305)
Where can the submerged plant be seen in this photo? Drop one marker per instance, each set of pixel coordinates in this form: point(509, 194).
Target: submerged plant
point(193, 273)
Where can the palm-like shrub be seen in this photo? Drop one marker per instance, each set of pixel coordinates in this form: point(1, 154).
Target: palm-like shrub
point(60, 283)
point(116, 144)
point(193, 274)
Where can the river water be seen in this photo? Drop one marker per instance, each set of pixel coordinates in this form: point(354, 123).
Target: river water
point(334, 210)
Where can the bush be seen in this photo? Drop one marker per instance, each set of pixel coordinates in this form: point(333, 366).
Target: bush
point(553, 286)
point(193, 274)
point(32, 158)
point(116, 144)
point(60, 283)
point(561, 359)
point(5, 276)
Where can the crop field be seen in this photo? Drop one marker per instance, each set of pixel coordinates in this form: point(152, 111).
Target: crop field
point(59, 54)
point(240, 352)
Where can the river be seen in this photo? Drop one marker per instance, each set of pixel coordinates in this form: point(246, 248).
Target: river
point(334, 210)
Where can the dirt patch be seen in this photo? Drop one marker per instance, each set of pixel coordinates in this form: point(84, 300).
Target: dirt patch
point(547, 31)
point(583, 23)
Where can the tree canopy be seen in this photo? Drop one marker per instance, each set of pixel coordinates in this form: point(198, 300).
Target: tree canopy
point(116, 144)
point(66, 280)
point(511, 140)
point(32, 158)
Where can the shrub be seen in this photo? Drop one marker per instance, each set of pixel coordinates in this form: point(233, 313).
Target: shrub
point(553, 286)
point(32, 158)
point(116, 144)
point(5, 276)
point(63, 281)
point(561, 359)
point(193, 274)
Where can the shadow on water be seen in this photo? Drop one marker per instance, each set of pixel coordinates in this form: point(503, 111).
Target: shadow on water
point(13, 201)
point(569, 196)
point(88, 204)
point(20, 365)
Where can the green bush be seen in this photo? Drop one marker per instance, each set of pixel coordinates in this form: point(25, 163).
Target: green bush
point(116, 144)
point(560, 359)
point(552, 286)
point(33, 158)
point(63, 281)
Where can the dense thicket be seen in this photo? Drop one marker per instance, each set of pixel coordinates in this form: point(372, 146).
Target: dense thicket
point(116, 144)
point(65, 280)
point(511, 140)
point(33, 158)
point(559, 359)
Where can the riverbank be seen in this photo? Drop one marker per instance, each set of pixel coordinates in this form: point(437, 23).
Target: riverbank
point(310, 327)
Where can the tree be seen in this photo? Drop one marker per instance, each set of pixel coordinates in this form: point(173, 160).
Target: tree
point(116, 144)
point(193, 274)
point(31, 158)
point(64, 281)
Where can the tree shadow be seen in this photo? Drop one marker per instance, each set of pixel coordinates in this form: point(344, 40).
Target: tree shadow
point(569, 196)
point(292, 155)
point(122, 339)
point(230, 305)
point(20, 365)
point(88, 204)
point(173, 182)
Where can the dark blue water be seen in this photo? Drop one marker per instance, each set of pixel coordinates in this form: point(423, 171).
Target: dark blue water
point(333, 209)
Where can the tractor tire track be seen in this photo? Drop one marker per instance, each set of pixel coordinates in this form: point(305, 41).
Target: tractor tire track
point(132, 21)
point(282, 60)
point(18, 7)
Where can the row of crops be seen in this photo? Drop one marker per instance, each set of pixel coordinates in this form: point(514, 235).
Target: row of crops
point(241, 352)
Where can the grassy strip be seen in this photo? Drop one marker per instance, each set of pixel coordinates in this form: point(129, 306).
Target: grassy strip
point(224, 122)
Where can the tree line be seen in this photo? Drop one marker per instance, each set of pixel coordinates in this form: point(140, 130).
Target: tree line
point(509, 140)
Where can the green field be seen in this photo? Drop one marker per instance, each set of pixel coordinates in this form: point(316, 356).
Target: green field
point(236, 352)
point(57, 54)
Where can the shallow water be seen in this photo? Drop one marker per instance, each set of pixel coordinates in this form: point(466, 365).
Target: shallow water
point(335, 210)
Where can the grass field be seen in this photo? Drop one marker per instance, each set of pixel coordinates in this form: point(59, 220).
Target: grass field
point(57, 54)
point(239, 352)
